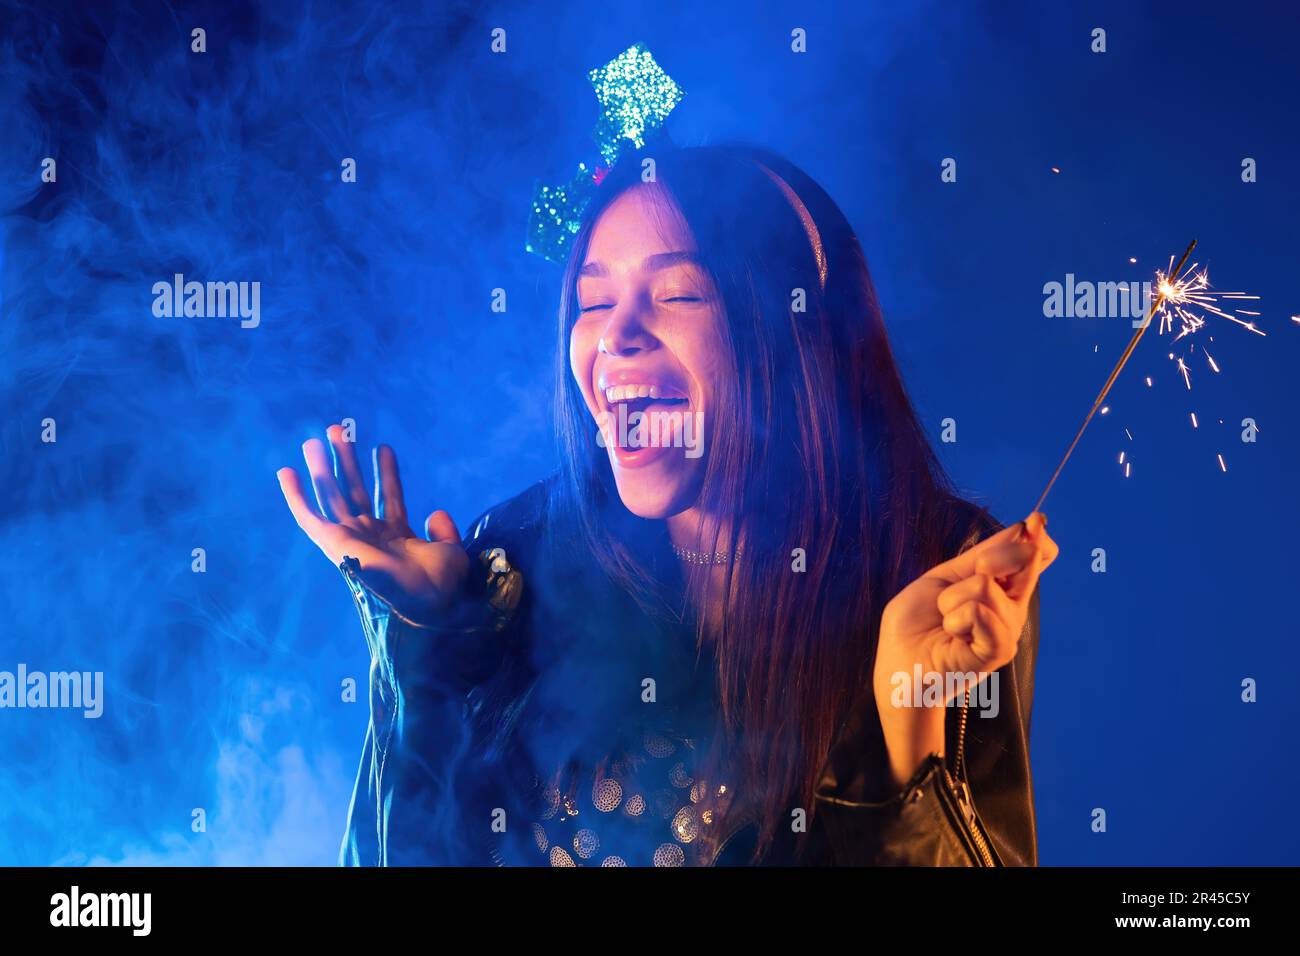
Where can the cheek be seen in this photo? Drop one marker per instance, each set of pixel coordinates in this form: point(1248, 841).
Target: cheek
point(582, 360)
point(703, 351)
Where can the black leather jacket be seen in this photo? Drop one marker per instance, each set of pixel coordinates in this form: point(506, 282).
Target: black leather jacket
point(463, 716)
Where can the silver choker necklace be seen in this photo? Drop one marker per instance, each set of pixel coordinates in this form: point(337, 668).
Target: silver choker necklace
point(705, 557)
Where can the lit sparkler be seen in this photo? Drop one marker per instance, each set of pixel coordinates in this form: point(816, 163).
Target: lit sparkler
point(1183, 300)
point(1164, 289)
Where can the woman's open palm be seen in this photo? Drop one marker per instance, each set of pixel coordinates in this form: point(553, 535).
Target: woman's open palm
point(419, 577)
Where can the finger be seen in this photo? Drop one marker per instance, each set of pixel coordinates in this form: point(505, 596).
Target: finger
point(960, 621)
point(1006, 559)
point(1033, 530)
point(978, 589)
point(991, 639)
point(439, 527)
point(328, 497)
point(963, 565)
point(1020, 584)
point(981, 588)
point(347, 472)
point(980, 626)
point(1038, 532)
point(291, 486)
point(1008, 612)
point(389, 500)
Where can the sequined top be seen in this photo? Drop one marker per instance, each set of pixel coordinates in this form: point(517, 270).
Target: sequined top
point(646, 809)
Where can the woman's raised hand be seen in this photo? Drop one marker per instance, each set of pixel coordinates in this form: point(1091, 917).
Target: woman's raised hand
point(419, 577)
point(963, 616)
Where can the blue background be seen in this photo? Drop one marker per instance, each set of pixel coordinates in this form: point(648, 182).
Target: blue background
point(223, 688)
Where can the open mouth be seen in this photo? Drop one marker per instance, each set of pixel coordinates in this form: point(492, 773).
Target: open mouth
point(645, 398)
point(645, 419)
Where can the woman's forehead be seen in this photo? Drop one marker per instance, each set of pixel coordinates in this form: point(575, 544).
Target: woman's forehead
point(643, 221)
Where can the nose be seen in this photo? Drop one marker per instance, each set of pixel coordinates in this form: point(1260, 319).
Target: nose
point(625, 332)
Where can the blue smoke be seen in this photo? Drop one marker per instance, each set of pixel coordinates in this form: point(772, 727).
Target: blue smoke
point(224, 689)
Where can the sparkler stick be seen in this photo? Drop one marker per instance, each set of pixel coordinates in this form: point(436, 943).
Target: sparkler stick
point(1164, 289)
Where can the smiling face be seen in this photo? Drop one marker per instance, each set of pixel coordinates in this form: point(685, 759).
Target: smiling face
point(647, 350)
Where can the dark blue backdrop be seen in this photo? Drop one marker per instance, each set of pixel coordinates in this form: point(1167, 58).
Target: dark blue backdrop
point(223, 688)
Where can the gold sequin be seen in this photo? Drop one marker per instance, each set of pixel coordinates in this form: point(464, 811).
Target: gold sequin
point(606, 795)
point(613, 861)
point(560, 858)
point(552, 797)
point(669, 854)
point(657, 746)
point(635, 805)
point(678, 776)
point(685, 827)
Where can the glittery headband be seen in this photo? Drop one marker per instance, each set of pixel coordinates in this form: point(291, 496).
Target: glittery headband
point(635, 96)
point(809, 226)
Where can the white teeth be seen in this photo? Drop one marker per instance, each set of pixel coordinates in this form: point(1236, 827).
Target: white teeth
point(623, 393)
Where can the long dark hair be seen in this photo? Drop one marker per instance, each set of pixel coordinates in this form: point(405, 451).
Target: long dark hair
point(813, 446)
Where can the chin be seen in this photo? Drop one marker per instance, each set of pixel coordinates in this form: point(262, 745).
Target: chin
point(657, 491)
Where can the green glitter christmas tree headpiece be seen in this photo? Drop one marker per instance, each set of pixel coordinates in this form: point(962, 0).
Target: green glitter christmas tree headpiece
point(635, 96)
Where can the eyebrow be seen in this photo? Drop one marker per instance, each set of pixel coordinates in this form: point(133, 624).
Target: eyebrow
point(660, 260)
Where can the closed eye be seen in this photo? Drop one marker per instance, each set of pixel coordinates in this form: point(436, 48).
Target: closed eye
point(593, 308)
point(683, 298)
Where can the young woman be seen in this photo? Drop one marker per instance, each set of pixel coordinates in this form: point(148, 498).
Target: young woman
point(703, 641)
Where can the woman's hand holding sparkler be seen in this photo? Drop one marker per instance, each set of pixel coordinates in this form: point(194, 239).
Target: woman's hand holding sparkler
point(964, 616)
point(419, 577)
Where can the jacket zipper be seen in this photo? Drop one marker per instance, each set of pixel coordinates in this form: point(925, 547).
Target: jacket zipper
point(963, 788)
point(960, 786)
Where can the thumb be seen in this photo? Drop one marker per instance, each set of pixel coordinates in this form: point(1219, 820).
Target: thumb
point(964, 564)
point(1021, 583)
point(440, 528)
